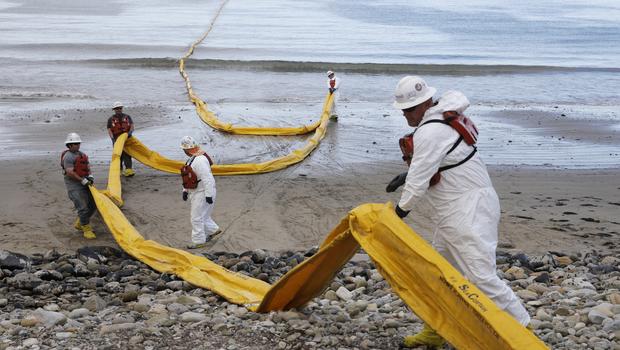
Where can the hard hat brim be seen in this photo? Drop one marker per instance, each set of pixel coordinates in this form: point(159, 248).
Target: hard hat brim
point(430, 91)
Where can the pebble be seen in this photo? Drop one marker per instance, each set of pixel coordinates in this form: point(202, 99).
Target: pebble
point(192, 317)
point(101, 296)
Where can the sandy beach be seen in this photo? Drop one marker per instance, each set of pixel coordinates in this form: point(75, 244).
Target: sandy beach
point(542, 209)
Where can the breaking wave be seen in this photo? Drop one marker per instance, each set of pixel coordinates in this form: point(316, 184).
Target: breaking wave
point(362, 68)
point(43, 95)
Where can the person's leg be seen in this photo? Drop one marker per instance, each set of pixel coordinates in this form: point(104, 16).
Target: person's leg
point(210, 226)
point(126, 158)
point(79, 197)
point(198, 212)
point(427, 336)
point(84, 205)
point(92, 206)
point(334, 112)
point(473, 245)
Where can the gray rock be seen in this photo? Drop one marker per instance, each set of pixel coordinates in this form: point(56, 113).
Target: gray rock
point(91, 255)
point(140, 307)
point(188, 300)
point(331, 295)
point(13, 261)
point(95, 303)
point(51, 307)
point(612, 326)
point(177, 308)
point(344, 294)
point(192, 317)
point(40, 317)
point(78, 313)
point(113, 287)
point(391, 323)
point(24, 280)
point(175, 285)
point(128, 296)
point(30, 342)
point(600, 312)
point(65, 335)
point(112, 328)
point(578, 283)
point(527, 295)
point(49, 275)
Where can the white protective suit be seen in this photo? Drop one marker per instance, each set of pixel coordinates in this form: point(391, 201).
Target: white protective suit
point(336, 92)
point(202, 224)
point(467, 207)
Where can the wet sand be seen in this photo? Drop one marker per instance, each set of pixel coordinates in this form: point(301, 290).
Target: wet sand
point(542, 209)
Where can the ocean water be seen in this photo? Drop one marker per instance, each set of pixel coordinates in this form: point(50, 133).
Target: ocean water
point(526, 55)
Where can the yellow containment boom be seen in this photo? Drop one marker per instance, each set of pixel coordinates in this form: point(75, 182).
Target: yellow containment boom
point(199, 271)
point(430, 286)
point(137, 150)
point(211, 119)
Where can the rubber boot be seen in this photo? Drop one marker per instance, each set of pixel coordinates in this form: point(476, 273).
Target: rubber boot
point(88, 232)
point(427, 337)
point(77, 224)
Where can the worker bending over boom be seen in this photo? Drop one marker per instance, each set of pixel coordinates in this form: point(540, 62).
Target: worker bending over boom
point(446, 168)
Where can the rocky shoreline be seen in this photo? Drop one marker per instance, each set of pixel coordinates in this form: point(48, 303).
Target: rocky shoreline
point(101, 298)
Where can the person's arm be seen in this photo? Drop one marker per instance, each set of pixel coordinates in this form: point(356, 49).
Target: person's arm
point(131, 127)
point(72, 174)
point(110, 129)
point(431, 144)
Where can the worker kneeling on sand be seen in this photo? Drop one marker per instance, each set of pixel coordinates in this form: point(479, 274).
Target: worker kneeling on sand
point(446, 168)
point(118, 124)
point(76, 171)
point(199, 187)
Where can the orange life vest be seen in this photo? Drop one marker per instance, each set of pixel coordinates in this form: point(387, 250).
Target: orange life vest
point(463, 125)
point(189, 177)
point(120, 125)
point(80, 166)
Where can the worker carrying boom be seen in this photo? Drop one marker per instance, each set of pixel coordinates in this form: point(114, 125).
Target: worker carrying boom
point(445, 167)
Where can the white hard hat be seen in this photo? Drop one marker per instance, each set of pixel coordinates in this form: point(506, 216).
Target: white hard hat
point(117, 104)
point(73, 138)
point(411, 91)
point(329, 73)
point(188, 142)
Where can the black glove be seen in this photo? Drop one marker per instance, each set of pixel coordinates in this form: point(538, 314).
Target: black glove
point(129, 134)
point(185, 194)
point(401, 213)
point(396, 182)
point(210, 200)
point(331, 90)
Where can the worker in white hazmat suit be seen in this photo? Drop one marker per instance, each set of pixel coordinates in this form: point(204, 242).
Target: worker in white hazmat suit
point(333, 84)
point(199, 187)
point(451, 174)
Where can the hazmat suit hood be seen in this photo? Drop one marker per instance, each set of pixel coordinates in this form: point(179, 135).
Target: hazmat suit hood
point(451, 100)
